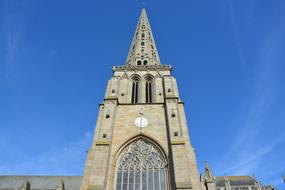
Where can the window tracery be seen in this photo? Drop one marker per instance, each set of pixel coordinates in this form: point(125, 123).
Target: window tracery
point(141, 166)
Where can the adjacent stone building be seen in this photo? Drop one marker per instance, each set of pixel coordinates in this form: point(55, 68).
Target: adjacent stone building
point(211, 182)
point(40, 182)
point(142, 140)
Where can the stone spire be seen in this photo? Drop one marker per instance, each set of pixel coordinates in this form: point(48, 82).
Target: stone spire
point(143, 50)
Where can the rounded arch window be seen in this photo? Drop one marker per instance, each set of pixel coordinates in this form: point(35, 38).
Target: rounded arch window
point(141, 166)
point(139, 62)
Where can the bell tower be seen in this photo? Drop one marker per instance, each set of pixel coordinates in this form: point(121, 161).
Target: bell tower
point(141, 140)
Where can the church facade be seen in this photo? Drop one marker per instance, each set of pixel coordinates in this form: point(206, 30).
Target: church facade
point(141, 140)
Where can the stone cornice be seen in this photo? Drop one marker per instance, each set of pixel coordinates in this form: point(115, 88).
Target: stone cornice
point(142, 68)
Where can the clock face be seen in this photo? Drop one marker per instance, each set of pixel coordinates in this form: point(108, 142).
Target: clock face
point(141, 122)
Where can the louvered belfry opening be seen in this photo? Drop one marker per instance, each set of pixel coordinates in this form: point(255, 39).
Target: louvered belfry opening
point(148, 89)
point(135, 89)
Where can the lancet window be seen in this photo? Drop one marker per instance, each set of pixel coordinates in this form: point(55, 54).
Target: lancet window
point(135, 89)
point(148, 89)
point(141, 166)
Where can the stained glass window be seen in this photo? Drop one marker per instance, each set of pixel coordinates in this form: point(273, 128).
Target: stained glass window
point(141, 167)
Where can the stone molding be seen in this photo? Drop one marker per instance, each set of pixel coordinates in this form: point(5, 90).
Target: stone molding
point(103, 142)
point(184, 185)
point(142, 67)
point(95, 187)
point(178, 141)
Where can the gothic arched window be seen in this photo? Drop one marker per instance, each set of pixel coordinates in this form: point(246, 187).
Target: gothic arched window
point(148, 89)
point(135, 89)
point(141, 166)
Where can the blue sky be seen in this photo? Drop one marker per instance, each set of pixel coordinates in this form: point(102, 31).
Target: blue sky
point(228, 58)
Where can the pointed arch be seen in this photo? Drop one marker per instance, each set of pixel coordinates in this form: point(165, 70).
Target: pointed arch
point(146, 138)
point(141, 164)
point(135, 77)
point(149, 88)
point(135, 88)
